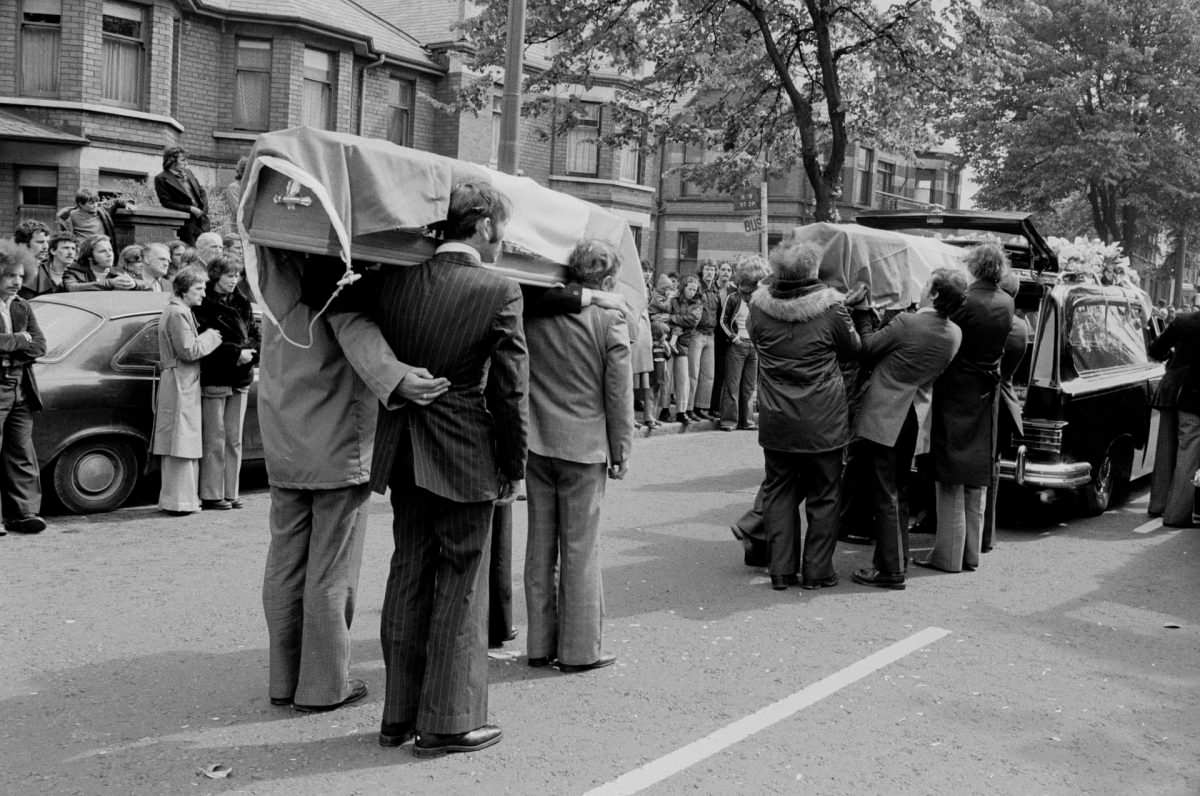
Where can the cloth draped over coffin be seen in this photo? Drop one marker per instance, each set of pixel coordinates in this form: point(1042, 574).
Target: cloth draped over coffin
point(894, 265)
point(368, 201)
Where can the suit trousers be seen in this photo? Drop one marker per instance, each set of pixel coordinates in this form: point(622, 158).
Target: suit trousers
point(564, 535)
point(741, 379)
point(701, 369)
point(309, 589)
point(987, 537)
point(886, 470)
point(500, 588)
point(1181, 498)
point(959, 526)
point(1164, 460)
point(434, 623)
point(21, 484)
point(790, 478)
point(222, 419)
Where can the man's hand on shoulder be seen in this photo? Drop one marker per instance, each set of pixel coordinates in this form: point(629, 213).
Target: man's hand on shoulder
point(507, 491)
point(420, 387)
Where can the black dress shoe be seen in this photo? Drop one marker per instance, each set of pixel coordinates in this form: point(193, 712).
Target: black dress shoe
point(281, 702)
point(599, 663)
point(396, 734)
point(781, 582)
point(819, 583)
point(494, 644)
point(358, 690)
point(433, 744)
point(31, 523)
point(538, 663)
point(855, 538)
point(873, 577)
point(218, 505)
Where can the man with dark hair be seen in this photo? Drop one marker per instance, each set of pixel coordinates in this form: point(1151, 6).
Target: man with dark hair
point(446, 463)
point(906, 356)
point(178, 189)
point(35, 237)
point(21, 343)
point(48, 276)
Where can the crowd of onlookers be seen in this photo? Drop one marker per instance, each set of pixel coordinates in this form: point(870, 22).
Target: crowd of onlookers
point(702, 366)
point(208, 339)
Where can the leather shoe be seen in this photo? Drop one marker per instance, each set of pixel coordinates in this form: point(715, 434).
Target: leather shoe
point(781, 582)
point(219, 505)
point(358, 690)
point(819, 583)
point(599, 663)
point(538, 663)
point(396, 734)
point(31, 523)
point(497, 644)
point(873, 577)
point(281, 702)
point(237, 503)
point(927, 563)
point(433, 744)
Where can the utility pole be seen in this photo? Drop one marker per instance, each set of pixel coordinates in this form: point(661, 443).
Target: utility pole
point(510, 121)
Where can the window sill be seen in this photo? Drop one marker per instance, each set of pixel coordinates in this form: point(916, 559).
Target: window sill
point(90, 107)
point(633, 186)
point(235, 135)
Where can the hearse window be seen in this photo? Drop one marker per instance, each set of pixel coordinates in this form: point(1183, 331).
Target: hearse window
point(64, 327)
point(141, 352)
point(1106, 335)
point(1043, 368)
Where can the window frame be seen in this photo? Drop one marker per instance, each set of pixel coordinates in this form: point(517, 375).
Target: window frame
point(405, 84)
point(680, 260)
point(238, 69)
point(45, 213)
point(583, 124)
point(864, 172)
point(143, 46)
point(329, 82)
point(926, 178)
point(38, 25)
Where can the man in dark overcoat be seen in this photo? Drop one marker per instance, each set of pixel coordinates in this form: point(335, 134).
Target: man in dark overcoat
point(178, 189)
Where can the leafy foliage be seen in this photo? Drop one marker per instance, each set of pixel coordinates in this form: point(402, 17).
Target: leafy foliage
point(751, 81)
point(1096, 100)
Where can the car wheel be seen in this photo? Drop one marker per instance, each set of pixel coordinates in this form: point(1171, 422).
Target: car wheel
point(95, 475)
point(1108, 481)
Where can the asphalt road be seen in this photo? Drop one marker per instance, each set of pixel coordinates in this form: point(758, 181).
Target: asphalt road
point(133, 655)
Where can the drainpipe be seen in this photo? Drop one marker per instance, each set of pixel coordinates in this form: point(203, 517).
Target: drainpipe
point(362, 90)
point(658, 202)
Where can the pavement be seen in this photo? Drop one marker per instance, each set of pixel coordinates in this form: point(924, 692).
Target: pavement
point(134, 660)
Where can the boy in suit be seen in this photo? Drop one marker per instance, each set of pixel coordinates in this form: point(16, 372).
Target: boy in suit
point(581, 431)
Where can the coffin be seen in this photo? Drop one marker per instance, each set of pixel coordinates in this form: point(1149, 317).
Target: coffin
point(894, 266)
point(366, 201)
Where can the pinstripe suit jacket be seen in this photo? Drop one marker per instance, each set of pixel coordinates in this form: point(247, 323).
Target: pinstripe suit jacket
point(462, 322)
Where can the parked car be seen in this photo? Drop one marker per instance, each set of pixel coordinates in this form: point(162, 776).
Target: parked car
point(1086, 383)
point(98, 381)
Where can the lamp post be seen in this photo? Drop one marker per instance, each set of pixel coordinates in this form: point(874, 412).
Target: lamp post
point(510, 120)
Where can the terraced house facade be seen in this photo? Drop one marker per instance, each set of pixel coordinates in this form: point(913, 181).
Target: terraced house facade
point(91, 91)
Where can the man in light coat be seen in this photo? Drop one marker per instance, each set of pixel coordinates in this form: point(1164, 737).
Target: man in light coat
point(317, 408)
point(581, 425)
point(907, 356)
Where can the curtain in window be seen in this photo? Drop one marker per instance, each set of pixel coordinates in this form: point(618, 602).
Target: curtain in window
point(582, 150)
point(398, 126)
point(39, 61)
point(317, 98)
point(252, 100)
point(123, 72)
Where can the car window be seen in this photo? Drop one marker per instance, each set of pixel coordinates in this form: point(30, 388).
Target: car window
point(141, 350)
point(1106, 334)
point(64, 327)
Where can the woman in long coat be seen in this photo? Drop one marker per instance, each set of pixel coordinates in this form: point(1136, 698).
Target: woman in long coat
point(964, 417)
point(802, 331)
point(225, 377)
point(177, 413)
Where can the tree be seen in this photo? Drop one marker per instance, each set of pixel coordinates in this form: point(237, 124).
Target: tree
point(758, 82)
point(1092, 99)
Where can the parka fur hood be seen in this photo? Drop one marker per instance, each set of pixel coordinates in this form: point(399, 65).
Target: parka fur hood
point(797, 304)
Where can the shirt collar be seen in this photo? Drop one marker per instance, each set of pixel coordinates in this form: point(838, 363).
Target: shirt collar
point(457, 247)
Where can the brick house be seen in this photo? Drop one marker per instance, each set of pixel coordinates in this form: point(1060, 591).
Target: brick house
point(91, 91)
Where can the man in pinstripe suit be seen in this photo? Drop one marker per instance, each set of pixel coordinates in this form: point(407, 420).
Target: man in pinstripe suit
point(446, 463)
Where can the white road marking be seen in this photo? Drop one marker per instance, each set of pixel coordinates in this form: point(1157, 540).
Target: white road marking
point(670, 764)
point(1148, 527)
